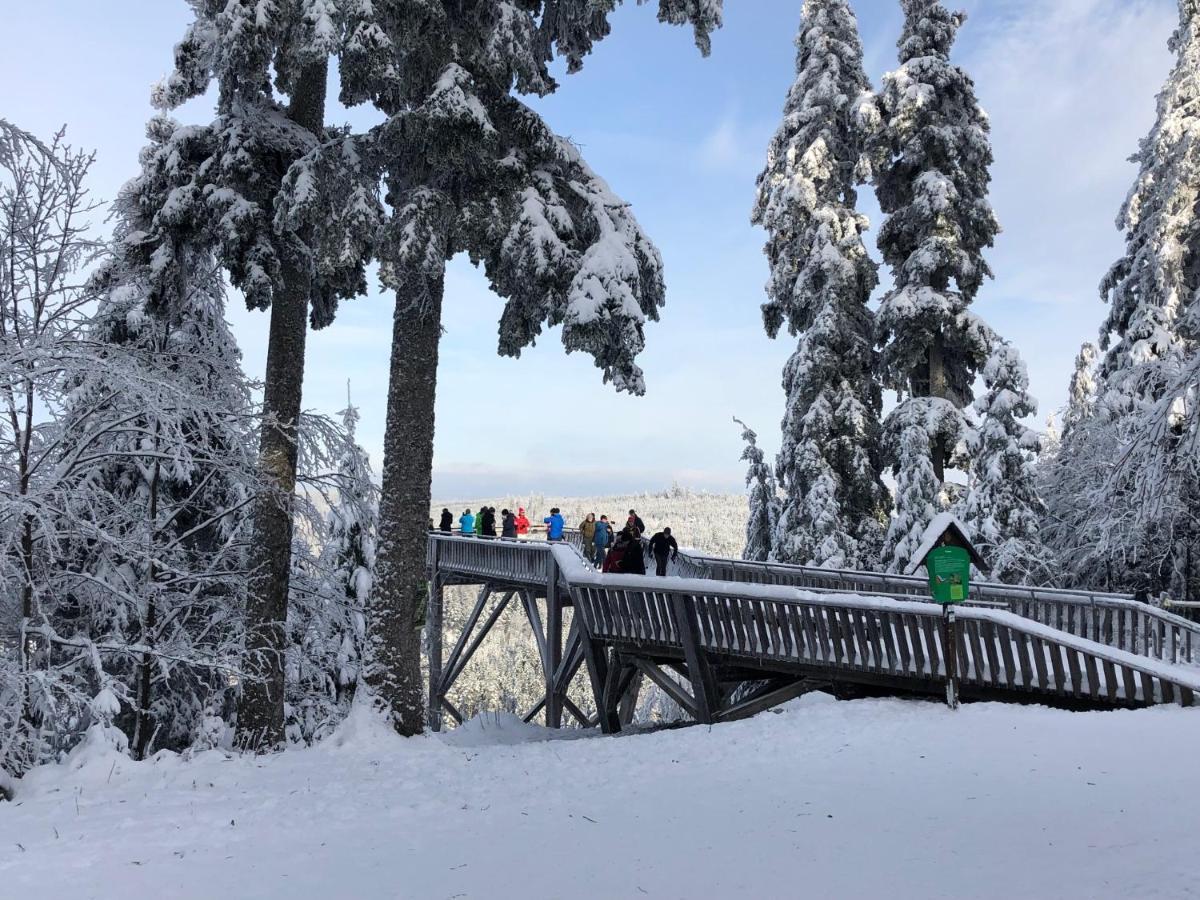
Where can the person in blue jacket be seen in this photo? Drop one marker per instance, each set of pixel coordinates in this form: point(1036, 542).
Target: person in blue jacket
point(602, 539)
point(554, 525)
point(466, 523)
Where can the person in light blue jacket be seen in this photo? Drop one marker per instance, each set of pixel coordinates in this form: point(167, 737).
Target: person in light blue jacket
point(466, 523)
point(554, 525)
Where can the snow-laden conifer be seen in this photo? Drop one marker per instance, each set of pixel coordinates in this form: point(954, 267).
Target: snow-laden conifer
point(1003, 508)
point(470, 168)
point(290, 209)
point(335, 569)
point(930, 160)
point(821, 279)
point(763, 520)
point(1122, 493)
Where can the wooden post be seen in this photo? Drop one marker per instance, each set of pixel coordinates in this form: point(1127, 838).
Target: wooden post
point(434, 625)
point(704, 686)
point(554, 635)
point(950, 649)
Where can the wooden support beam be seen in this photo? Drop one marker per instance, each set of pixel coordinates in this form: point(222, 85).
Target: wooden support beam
point(554, 647)
point(765, 699)
point(574, 710)
point(611, 695)
point(433, 625)
point(597, 666)
point(480, 602)
point(453, 674)
point(629, 699)
point(537, 708)
point(668, 685)
point(535, 622)
point(453, 710)
point(704, 686)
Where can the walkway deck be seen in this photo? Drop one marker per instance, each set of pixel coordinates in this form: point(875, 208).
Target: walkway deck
point(732, 638)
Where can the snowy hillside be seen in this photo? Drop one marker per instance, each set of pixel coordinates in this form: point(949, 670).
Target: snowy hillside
point(879, 798)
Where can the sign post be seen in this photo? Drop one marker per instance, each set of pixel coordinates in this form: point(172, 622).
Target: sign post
point(948, 555)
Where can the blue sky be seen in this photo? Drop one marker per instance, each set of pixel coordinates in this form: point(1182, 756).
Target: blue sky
point(1069, 86)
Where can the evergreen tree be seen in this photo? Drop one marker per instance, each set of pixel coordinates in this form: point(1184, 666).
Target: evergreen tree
point(331, 585)
point(1081, 394)
point(821, 279)
point(470, 168)
point(763, 522)
point(1002, 508)
point(930, 157)
point(288, 209)
point(1146, 402)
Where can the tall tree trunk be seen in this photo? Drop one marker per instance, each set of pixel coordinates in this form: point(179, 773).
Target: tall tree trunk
point(260, 707)
point(396, 609)
point(937, 388)
point(141, 731)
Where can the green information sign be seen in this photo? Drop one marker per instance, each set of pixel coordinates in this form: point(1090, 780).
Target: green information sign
point(949, 574)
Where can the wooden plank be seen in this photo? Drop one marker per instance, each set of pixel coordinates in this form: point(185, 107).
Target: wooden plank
point(936, 653)
point(576, 712)
point(1060, 680)
point(1111, 685)
point(1093, 676)
point(1147, 689)
point(918, 647)
point(1005, 637)
point(1025, 660)
point(1076, 675)
point(903, 635)
point(981, 675)
point(1130, 685)
point(874, 641)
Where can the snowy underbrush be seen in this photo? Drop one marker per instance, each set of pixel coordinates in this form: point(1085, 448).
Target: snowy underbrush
point(818, 798)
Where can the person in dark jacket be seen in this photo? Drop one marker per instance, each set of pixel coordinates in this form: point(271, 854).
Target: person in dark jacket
point(447, 522)
point(508, 524)
point(488, 521)
point(663, 545)
point(633, 562)
point(636, 521)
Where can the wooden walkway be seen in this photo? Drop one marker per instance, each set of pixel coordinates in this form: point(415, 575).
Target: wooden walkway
point(731, 638)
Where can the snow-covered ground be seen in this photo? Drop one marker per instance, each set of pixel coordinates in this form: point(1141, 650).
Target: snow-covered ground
point(873, 798)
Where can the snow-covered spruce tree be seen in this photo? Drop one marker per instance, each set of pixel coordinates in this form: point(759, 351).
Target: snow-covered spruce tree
point(334, 564)
point(469, 168)
point(288, 208)
point(930, 158)
point(1002, 509)
point(763, 521)
point(1145, 393)
point(821, 280)
point(1081, 393)
point(911, 434)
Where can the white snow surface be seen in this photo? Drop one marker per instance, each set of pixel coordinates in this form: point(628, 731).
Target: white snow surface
point(871, 798)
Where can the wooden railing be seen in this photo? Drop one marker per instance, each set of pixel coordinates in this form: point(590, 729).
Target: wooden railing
point(895, 641)
point(1113, 619)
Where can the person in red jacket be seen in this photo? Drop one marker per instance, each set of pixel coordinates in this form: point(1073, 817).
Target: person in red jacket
point(522, 522)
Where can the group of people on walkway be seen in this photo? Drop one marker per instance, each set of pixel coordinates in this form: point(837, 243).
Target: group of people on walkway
point(610, 549)
point(622, 551)
point(512, 524)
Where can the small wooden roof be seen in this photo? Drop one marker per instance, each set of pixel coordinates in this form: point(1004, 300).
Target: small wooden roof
point(946, 531)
